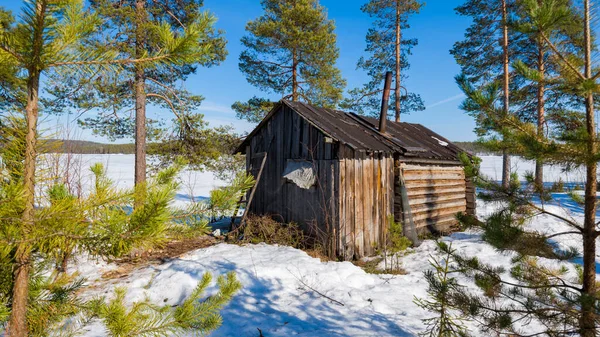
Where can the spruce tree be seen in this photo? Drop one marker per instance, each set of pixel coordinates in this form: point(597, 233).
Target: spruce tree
point(291, 52)
point(389, 51)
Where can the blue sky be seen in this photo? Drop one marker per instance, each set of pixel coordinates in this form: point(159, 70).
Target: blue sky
point(431, 75)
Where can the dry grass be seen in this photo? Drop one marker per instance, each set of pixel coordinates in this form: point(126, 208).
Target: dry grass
point(264, 229)
point(372, 267)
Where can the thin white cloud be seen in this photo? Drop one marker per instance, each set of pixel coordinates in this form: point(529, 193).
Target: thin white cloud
point(238, 125)
point(214, 107)
point(444, 101)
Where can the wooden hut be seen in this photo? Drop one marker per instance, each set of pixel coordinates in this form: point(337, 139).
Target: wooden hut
point(336, 172)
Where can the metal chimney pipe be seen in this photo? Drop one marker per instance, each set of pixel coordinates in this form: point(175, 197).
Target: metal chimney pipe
point(384, 102)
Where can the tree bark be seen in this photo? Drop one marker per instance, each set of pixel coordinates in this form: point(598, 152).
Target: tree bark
point(294, 76)
point(17, 325)
point(541, 103)
point(587, 322)
point(505, 155)
point(398, 62)
point(140, 100)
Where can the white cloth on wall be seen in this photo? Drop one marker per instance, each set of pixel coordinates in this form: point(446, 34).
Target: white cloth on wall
point(301, 173)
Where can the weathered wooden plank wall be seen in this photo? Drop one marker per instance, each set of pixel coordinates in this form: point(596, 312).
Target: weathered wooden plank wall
point(288, 137)
point(471, 197)
point(436, 194)
point(365, 203)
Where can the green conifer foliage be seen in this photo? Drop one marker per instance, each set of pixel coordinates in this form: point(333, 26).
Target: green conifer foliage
point(290, 52)
point(143, 319)
point(389, 51)
point(56, 35)
point(442, 290)
point(138, 28)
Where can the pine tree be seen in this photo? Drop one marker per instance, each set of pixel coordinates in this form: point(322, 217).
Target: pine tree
point(143, 318)
point(563, 298)
point(121, 97)
point(50, 35)
point(442, 289)
point(484, 54)
point(483, 59)
point(203, 147)
point(541, 99)
point(291, 52)
point(389, 52)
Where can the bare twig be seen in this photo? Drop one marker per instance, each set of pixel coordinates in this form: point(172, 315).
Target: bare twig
point(315, 290)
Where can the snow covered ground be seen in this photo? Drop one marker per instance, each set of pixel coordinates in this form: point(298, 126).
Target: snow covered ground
point(276, 296)
point(491, 166)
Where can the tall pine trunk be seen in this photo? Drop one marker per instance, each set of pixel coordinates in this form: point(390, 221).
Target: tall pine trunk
point(17, 325)
point(541, 102)
point(398, 62)
point(587, 323)
point(294, 76)
point(140, 101)
point(505, 155)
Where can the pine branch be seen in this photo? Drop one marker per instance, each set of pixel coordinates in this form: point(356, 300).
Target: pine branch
point(562, 57)
point(112, 62)
point(167, 100)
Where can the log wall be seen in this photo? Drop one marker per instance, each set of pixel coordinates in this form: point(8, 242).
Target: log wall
point(436, 194)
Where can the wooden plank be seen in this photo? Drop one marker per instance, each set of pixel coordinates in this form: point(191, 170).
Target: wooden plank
point(434, 198)
point(432, 190)
point(377, 201)
point(442, 226)
point(334, 196)
point(295, 136)
point(388, 193)
point(328, 150)
point(398, 209)
point(436, 220)
point(436, 183)
point(434, 195)
point(279, 163)
point(316, 143)
point(368, 204)
point(305, 143)
point(341, 193)
point(434, 176)
point(260, 171)
point(350, 214)
point(408, 168)
point(359, 208)
point(436, 205)
point(286, 199)
point(426, 214)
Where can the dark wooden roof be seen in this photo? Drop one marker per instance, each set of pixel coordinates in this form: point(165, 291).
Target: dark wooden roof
point(412, 141)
